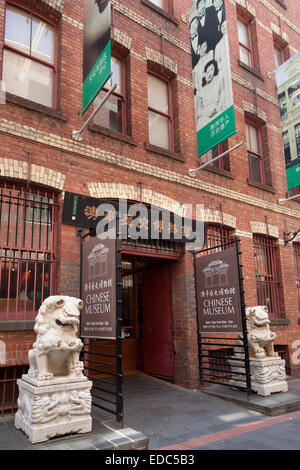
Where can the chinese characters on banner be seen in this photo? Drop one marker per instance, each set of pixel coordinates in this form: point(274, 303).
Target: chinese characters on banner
point(288, 91)
point(96, 48)
point(213, 96)
point(218, 293)
point(98, 318)
point(82, 211)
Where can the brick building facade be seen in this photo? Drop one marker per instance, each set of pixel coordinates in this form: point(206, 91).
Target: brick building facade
point(39, 160)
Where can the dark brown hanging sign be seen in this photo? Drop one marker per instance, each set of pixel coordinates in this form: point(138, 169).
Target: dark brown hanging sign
point(98, 318)
point(218, 293)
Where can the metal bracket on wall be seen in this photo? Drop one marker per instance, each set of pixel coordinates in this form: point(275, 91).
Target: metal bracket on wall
point(77, 135)
point(286, 236)
point(192, 171)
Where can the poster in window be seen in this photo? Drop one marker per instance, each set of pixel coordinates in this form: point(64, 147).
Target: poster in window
point(288, 91)
point(213, 97)
point(98, 318)
point(96, 48)
point(218, 293)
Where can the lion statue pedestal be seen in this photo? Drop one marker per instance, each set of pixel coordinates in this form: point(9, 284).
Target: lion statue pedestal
point(267, 369)
point(54, 397)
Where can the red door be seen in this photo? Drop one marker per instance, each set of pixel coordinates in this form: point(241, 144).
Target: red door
point(157, 320)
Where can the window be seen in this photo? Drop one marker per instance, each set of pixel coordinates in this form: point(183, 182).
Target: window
point(286, 146)
point(27, 249)
point(282, 105)
point(217, 235)
point(297, 136)
point(244, 43)
point(159, 112)
point(29, 68)
point(278, 55)
point(160, 3)
point(113, 114)
point(266, 271)
point(223, 162)
point(255, 159)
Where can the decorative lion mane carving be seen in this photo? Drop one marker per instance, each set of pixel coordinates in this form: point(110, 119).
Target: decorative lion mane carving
point(56, 349)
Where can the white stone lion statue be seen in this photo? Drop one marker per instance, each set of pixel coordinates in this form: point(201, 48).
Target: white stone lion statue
point(57, 347)
point(260, 337)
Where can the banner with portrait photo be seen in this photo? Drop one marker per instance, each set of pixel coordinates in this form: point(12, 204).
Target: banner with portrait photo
point(288, 91)
point(214, 108)
point(96, 48)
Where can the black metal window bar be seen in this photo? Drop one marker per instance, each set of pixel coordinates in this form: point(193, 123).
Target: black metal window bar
point(217, 362)
point(102, 358)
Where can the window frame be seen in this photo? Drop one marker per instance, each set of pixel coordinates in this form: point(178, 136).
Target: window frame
point(222, 163)
point(277, 46)
point(286, 147)
point(122, 96)
point(27, 206)
point(54, 66)
point(243, 20)
point(164, 7)
point(169, 116)
point(267, 283)
point(248, 122)
point(297, 139)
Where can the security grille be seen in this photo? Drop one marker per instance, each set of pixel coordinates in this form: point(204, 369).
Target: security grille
point(28, 250)
point(267, 280)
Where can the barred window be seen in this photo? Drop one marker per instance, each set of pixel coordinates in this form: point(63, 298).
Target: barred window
point(267, 281)
point(28, 250)
point(217, 235)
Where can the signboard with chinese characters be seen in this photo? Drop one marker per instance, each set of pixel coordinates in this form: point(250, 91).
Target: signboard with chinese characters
point(213, 97)
point(151, 223)
point(288, 91)
point(96, 48)
point(218, 293)
point(98, 318)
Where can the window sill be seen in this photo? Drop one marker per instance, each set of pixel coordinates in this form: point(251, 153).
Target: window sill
point(112, 134)
point(164, 152)
point(280, 321)
point(39, 108)
point(264, 187)
point(17, 325)
point(251, 70)
point(219, 171)
point(160, 10)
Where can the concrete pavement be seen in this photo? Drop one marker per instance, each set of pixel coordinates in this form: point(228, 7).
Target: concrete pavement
point(173, 418)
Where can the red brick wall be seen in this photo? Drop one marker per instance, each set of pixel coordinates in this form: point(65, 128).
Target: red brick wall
point(241, 200)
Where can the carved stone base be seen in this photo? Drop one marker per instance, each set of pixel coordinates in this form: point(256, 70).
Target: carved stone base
point(53, 410)
point(268, 375)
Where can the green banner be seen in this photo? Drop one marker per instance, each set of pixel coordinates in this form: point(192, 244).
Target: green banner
point(96, 67)
point(293, 176)
point(97, 77)
point(222, 127)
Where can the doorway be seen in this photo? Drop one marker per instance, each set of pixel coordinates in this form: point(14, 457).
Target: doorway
point(147, 328)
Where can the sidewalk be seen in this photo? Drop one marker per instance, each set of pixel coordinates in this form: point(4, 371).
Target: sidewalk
point(160, 415)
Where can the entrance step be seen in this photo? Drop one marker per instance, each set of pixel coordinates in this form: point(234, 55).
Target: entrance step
point(274, 405)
